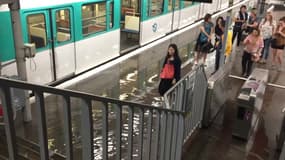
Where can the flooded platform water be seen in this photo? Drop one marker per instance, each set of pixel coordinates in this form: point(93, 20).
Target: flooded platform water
point(135, 79)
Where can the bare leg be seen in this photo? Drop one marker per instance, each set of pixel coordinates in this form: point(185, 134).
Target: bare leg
point(204, 57)
point(196, 59)
point(279, 53)
point(274, 56)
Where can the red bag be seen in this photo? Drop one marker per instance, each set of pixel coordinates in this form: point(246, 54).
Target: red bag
point(167, 71)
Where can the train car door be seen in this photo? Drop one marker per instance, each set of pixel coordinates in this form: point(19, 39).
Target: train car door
point(63, 46)
point(52, 33)
point(35, 30)
point(130, 25)
point(174, 6)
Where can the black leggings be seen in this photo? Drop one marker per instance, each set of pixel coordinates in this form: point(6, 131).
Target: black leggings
point(237, 31)
point(246, 63)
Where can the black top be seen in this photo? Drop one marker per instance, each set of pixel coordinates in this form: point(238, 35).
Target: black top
point(177, 67)
point(218, 33)
point(251, 21)
point(241, 17)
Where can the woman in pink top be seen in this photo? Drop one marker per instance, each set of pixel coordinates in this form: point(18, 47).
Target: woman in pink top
point(253, 47)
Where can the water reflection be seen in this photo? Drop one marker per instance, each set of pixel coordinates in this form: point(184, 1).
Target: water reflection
point(135, 79)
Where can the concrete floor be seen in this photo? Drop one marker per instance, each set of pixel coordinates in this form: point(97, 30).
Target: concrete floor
point(217, 142)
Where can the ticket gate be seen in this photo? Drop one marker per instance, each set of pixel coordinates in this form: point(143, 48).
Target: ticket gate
point(249, 104)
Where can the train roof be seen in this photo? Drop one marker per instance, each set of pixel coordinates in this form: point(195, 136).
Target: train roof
point(29, 4)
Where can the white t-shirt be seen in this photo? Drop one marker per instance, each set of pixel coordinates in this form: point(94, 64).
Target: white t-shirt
point(266, 29)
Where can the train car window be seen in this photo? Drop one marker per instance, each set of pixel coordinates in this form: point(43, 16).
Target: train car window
point(155, 7)
point(93, 18)
point(37, 30)
point(170, 5)
point(111, 13)
point(63, 31)
point(126, 3)
point(187, 3)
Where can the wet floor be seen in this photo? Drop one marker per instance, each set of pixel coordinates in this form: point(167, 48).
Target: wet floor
point(136, 79)
point(217, 142)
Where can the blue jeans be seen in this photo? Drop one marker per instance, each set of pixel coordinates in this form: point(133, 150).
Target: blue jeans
point(265, 50)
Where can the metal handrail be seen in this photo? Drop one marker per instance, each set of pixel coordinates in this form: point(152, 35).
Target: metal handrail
point(165, 96)
point(189, 96)
point(48, 89)
point(161, 138)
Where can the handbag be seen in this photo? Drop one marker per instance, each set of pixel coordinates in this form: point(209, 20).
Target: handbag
point(255, 57)
point(207, 47)
point(167, 71)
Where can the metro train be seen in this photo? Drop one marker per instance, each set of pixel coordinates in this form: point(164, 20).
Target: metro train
point(72, 36)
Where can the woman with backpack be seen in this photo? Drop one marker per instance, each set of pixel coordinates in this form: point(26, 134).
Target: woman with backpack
point(204, 38)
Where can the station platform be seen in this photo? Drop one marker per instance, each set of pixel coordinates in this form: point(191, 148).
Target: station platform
point(217, 143)
point(136, 79)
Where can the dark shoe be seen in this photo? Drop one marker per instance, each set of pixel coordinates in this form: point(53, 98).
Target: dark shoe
point(213, 73)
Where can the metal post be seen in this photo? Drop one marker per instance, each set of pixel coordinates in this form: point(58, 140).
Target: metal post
point(222, 57)
point(262, 7)
point(87, 130)
point(68, 127)
point(43, 137)
point(20, 53)
point(9, 123)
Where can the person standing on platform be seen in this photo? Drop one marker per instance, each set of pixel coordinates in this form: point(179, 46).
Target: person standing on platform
point(219, 32)
point(252, 51)
point(252, 22)
point(266, 28)
point(278, 43)
point(240, 20)
point(171, 69)
point(205, 35)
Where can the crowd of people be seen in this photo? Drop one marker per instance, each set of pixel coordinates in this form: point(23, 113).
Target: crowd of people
point(259, 39)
